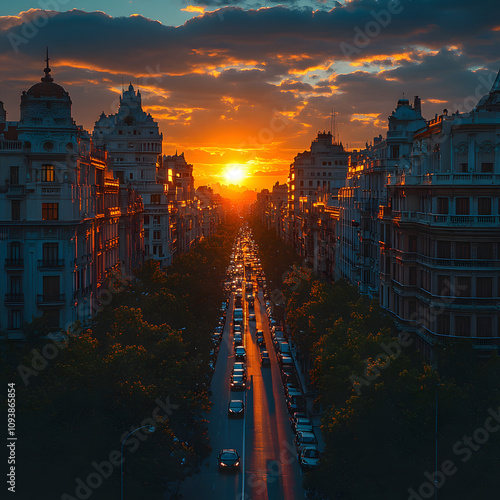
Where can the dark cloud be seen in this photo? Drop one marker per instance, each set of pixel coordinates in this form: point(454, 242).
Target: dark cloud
point(221, 77)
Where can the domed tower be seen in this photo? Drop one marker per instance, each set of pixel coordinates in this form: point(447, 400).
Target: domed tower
point(46, 124)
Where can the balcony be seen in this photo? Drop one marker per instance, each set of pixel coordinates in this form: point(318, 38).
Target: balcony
point(14, 264)
point(14, 298)
point(50, 299)
point(16, 190)
point(50, 263)
point(446, 220)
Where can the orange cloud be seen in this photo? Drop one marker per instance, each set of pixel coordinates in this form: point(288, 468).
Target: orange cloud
point(436, 101)
point(194, 8)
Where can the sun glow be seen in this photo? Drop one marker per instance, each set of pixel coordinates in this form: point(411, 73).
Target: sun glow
point(234, 173)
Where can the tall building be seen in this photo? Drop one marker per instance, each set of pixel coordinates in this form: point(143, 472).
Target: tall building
point(59, 214)
point(365, 189)
point(440, 231)
point(185, 221)
point(133, 140)
point(315, 175)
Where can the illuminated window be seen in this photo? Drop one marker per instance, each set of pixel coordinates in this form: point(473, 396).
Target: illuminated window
point(48, 173)
point(50, 211)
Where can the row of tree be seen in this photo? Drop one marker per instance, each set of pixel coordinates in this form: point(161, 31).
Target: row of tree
point(394, 427)
point(144, 362)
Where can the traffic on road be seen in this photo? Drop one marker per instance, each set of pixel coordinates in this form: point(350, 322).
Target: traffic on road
point(261, 435)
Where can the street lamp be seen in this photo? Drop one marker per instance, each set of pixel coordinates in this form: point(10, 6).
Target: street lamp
point(150, 429)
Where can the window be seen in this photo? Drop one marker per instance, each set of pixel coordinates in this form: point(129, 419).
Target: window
point(15, 319)
point(412, 243)
point(485, 250)
point(156, 235)
point(50, 252)
point(301, 183)
point(412, 275)
point(486, 167)
point(395, 151)
point(156, 220)
point(442, 205)
point(313, 174)
point(50, 211)
point(462, 286)
point(464, 168)
point(329, 174)
point(484, 206)
point(146, 233)
point(155, 250)
point(16, 284)
point(131, 176)
point(146, 220)
point(324, 173)
point(14, 175)
point(484, 287)
point(443, 324)
point(310, 183)
point(119, 176)
point(16, 210)
point(462, 206)
point(15, 250)
point(443, 249)
point(462, 250)
point(48, 173)
point(155, 199)
point(462, 326)
point(483, 326)
point(51, 287)
point(443, 285)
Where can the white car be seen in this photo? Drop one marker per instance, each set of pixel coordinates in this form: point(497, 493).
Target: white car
point(309, 457)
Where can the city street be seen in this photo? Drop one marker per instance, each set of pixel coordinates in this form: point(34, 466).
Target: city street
point(263, 438)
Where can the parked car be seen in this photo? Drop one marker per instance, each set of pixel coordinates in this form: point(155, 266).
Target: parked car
point(240, 353)
point(309, 457)
point(302, 425)
point(238, 339)
point(305, 439)
point(236, 408)
point(228, 460)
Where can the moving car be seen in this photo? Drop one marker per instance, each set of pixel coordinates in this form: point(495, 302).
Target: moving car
point(251, 317)
point(236, 408)
point(240, 353)
point(265, 359)
point(238, 382)
point(228, 460)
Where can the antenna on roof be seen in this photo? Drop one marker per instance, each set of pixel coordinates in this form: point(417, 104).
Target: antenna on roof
point(122, 84)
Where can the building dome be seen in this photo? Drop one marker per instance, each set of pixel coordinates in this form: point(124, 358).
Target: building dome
point(47, 87)
point(46, 104)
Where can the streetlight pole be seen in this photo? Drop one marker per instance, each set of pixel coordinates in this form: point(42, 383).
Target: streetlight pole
point(150, 429)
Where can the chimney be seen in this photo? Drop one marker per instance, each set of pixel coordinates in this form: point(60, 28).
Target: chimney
point(3, 113)
point(417, 104)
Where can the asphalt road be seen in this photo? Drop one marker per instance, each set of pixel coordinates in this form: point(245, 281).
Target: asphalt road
point(263, 439)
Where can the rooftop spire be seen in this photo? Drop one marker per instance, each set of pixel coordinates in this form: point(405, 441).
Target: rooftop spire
point(47, 77)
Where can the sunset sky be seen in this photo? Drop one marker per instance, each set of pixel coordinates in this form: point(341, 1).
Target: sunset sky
point(241, 87)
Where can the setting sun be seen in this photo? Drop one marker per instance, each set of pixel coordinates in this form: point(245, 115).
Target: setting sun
point(234, 173)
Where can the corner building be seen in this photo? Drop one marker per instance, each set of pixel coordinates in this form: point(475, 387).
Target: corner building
point(133, 140)
point(440, 231)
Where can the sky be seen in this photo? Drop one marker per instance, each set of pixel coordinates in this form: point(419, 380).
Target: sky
point(241, 87)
